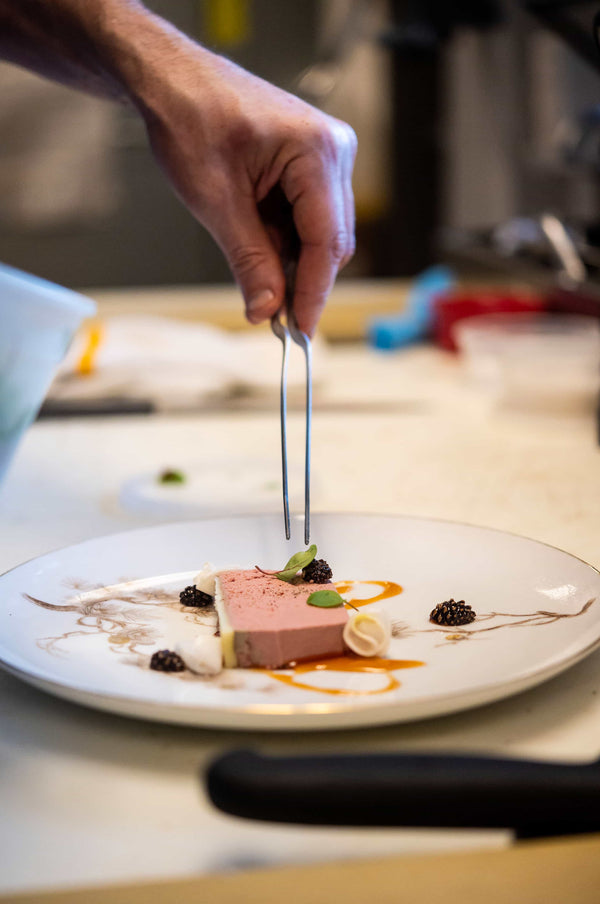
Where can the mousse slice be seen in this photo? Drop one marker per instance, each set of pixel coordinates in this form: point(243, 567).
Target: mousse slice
point(266, 622)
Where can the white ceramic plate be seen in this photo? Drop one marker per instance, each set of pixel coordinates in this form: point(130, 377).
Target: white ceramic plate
point(214, 487)
point(82, 622)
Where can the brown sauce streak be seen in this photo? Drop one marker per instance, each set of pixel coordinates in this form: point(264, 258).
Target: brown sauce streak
point(388, 588)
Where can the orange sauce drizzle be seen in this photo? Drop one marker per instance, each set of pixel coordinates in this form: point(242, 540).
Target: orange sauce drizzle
point(348, 663)
point(388, 588)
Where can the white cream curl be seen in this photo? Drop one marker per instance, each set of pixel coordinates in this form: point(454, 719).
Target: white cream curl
point(368, 633)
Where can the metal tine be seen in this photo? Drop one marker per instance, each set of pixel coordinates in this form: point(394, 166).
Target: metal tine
point(304, 342)
point(281, 331)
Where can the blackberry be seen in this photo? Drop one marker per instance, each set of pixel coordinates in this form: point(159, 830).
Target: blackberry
point(317, 572)
point(452, 613)
point(167, 661)
point(191, 596)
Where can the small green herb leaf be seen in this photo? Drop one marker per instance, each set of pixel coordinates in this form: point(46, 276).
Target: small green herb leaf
point(298, 561)
point(325, 599)
point(170, 476)
point(301, 559)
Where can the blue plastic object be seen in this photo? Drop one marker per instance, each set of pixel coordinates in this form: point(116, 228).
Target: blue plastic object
point(413, 323)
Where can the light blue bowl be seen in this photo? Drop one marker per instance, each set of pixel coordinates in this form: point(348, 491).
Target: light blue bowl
point(38, 320)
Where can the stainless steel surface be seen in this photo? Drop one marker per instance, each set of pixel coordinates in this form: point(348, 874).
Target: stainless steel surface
point(572, 267)
point(284, 333)
point(280, 330)
point(303, 341)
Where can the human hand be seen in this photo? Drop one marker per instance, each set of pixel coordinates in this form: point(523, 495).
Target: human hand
point(268, 175)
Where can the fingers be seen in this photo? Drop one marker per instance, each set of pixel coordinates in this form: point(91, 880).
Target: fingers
point(227, 147)
point(252, 258)
point(320, 190)
point(315, 276)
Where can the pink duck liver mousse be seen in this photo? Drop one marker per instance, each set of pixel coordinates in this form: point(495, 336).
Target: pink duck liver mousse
point(272, 623)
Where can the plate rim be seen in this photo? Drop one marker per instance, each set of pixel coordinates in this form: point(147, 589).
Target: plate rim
point(300, 519)
point(264, 717)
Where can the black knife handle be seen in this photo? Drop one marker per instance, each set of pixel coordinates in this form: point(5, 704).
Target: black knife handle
point(534, 799)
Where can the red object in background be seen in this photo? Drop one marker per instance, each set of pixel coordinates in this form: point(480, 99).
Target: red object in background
point(451, 307)
point(565, 301)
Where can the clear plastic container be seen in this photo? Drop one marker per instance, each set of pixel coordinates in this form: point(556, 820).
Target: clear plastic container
point(539, 361)
point(38, 319)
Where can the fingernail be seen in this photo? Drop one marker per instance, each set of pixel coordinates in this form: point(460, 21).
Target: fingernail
point(259, 306)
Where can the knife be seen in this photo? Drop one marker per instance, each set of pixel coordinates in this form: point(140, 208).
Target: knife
point(535, 799)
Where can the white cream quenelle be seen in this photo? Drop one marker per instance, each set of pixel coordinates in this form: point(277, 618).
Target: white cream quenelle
point(368, 633)
point(202, 655)
point(205, 579)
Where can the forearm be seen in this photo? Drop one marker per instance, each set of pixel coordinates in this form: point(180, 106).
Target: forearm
point(94, 45)
point(112, 48)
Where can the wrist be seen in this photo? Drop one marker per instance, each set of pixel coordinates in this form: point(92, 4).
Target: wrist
point(118, 30)
point(143, 52)
point(66, 40)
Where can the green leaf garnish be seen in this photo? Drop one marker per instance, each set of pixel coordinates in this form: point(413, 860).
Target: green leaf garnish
point(298, 561)
point(171, 476)
point(325, 599)
point(301, 559)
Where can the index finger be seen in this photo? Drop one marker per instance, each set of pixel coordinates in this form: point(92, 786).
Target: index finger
point(320, 212)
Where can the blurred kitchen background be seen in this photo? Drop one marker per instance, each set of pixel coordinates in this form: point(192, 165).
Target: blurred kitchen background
point(475, 118)
point(478, 230)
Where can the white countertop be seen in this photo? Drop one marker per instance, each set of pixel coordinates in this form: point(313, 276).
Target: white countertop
point(91, 798)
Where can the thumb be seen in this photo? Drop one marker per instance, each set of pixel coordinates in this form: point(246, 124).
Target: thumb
point(254, 262)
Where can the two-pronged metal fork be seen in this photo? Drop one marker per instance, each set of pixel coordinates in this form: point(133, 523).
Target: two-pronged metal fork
point(284, 332)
